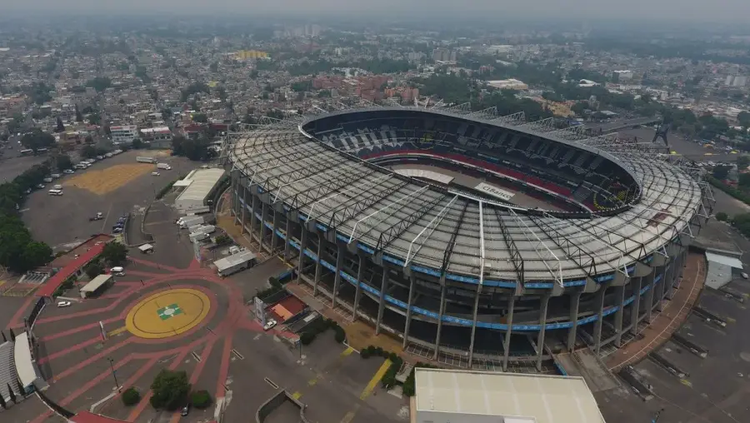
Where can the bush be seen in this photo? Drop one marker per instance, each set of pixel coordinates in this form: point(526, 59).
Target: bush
point(131, 397)
point(200, 399)
point(340, 335)
point(307, 337)
point(722, 217)
point(364, 353)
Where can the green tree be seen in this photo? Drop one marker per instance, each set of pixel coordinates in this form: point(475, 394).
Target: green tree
point(79, 115)
point(94, 269)
point(744, 120)
point(36, 254)
point(115, 253)
point(95, 119)
point(744, 180)
point(99, 83)
point(37, 139)
point(170, 390)
point(137, 143)
point(721, 172)
point(580, 108)
point(200, 118)
point(200, 399)
point(60, 127)
point(62, 162)
point(88, 152)
point(131, 397)
point(722, 217)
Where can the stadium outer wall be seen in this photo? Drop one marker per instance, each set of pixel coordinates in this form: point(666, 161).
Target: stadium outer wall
point(609, 316)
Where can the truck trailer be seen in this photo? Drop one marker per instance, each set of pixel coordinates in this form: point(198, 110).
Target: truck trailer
point(144, 159)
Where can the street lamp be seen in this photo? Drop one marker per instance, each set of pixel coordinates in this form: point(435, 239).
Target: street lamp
point(114, 375)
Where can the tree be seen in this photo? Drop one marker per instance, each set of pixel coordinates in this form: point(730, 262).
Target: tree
point(744, 180)
point(94, 269)
point(170, 389)
point(744, 120)
point(722, 217)
point(99, 83)
point(721, 172)
point(95, 119)
point(137, 143)
point(12, 394)
point(131, 397)
point(36, 254)
point(580, 108)
point(743, 162)
point(60, 127)
point(63, 161)
point(115, 253)
point(79, 115)
point(37, 139)
point(200, 399)
point(88, 152)
point(200, 118)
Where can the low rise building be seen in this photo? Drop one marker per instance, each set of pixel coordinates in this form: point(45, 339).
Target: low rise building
point(123, 134)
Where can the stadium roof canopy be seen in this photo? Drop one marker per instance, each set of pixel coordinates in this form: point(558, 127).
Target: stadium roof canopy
point(520, 397)
point(476, 240)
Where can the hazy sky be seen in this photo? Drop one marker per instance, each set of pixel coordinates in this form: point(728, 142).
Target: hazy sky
point(692, 10)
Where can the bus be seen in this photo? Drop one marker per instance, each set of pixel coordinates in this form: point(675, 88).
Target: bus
point(27, 152)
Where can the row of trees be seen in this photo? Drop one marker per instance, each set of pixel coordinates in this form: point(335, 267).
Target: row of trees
point(18, 250)
point(170, 390)
point(196, 149)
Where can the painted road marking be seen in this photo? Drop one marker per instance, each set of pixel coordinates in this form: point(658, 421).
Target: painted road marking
point(347, 352)
point(312, 382)
point(297, 395)
point(270, 382)
point(350, 415)
point(375, 379)
point(116, 332)
point(237, 354)
point(196, 356)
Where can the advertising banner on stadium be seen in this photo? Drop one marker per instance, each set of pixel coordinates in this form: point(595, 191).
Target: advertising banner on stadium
point(494, 191)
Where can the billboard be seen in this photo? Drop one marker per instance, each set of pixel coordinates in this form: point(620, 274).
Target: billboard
point(260, 311)
point(494, 191)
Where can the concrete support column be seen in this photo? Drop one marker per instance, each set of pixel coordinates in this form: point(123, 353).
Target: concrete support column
point(540, 337)
point(506, 341)
point(243, 205)
point(575, 302)
point(407, 324)
point(263, 210)
point(287, 244)
point(649, 300)
point(275, 223)
point(440, 317)
point(381, 303)
point(358, 289)
point(253, 218)
point(620, 298)
point(337, 279)
point(302, 247)
point(318, 266)
point(600, 317)
point(635, 308)
point(474, 324)
point(660, 289)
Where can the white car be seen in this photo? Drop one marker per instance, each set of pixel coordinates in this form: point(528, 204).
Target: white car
point(155, 173)
point(63, 304)
point(269, 324)
point(69, 171)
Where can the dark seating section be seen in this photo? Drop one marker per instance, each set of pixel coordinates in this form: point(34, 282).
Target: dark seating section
point(530, 160)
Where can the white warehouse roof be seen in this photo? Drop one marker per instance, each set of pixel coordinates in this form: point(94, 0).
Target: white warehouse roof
point(202, 182)
point(538, 398)
point(233, 260)
point(96, 283)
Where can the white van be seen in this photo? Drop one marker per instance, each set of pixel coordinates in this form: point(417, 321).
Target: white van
point(117, 271)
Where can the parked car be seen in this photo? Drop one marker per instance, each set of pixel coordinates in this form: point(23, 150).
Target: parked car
point(69, 171)
point(270, 323)
point(63, 304)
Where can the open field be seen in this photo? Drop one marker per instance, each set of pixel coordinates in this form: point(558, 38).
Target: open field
point(106, 180)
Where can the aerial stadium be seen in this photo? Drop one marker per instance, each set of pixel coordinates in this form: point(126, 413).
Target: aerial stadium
point(484, 237)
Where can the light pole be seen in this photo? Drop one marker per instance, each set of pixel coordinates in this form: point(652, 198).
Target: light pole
point(114, 375)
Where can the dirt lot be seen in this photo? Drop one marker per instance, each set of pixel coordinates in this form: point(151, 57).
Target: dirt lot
point(62, 221)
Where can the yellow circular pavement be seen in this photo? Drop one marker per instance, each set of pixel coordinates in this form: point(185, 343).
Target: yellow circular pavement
point(168, 313)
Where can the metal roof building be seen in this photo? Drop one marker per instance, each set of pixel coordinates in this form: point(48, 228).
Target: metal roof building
point(8, 375)
point(202, 184)
point(444, 396)
point(720, 268)
point(95, 284)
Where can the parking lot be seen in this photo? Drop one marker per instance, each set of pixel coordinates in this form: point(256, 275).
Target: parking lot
point(64, 220)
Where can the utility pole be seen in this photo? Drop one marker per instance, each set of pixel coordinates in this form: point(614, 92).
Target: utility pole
point(114, 375)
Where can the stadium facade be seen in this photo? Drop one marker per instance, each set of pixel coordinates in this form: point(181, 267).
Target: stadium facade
point(450, 267)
